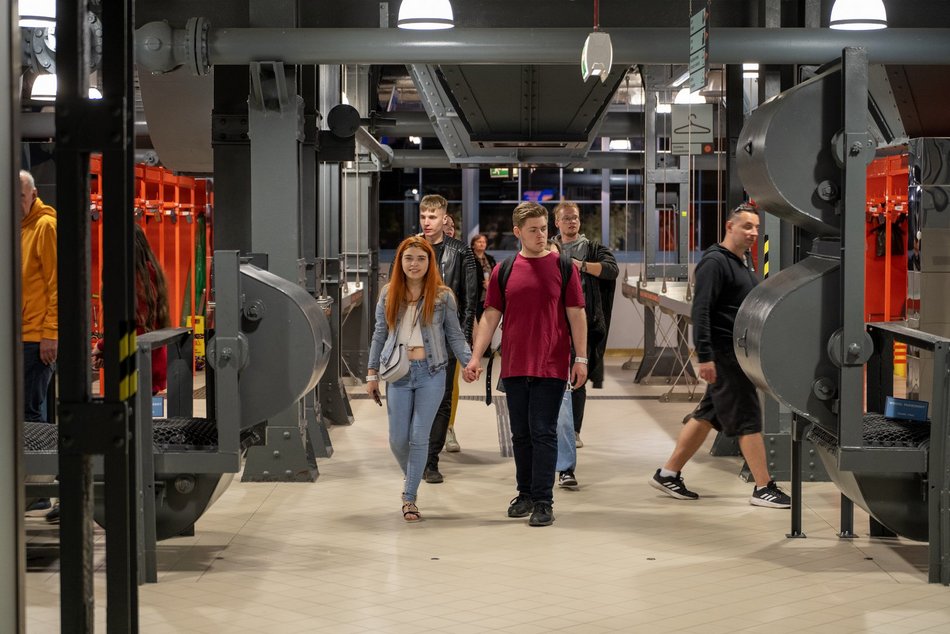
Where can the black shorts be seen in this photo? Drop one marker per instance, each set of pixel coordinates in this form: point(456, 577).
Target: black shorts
point(731, 404)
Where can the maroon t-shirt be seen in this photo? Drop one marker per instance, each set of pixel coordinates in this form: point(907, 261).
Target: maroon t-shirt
point(535, 337)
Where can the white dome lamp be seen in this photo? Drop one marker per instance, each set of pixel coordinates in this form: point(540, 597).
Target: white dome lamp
point(425, 15)
point(858, 15)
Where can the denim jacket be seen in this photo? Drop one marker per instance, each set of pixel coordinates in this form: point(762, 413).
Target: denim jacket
point(444, 328)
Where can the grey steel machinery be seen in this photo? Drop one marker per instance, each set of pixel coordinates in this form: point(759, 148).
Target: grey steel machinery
point(271, 344)
point(801, 334)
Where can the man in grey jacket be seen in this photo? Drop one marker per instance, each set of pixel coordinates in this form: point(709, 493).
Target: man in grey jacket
point(598, 270)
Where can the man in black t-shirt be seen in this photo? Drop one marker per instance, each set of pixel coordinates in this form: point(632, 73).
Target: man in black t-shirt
point(724, 276)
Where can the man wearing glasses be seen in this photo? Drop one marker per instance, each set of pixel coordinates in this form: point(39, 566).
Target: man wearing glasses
point(598, 270)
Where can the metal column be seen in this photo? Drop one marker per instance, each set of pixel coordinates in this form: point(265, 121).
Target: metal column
point(276, 128)
point(334, 405)
point(12, 559)
point(90, 426)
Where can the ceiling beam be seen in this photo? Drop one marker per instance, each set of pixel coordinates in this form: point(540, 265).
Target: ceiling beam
point(160, 48)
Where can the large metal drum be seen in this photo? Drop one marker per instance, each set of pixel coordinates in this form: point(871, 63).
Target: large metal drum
point(781, 331)
point(791, 131)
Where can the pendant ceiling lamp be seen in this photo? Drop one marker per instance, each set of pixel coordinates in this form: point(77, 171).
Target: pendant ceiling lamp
point(858, 15)
point(597, 56)
point(425, 15)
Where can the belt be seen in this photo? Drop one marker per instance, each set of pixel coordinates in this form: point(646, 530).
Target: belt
point(491, 361)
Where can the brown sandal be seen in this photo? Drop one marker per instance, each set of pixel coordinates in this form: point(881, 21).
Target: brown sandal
point(410, 512)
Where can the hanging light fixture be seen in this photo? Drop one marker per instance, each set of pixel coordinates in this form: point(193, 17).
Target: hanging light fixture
point(858, 15)
point(425, 15)
point(37, 13)
point(598, 54)
point(750, 71)
point(687, 97)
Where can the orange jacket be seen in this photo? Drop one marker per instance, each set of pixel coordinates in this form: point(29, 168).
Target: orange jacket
point(40, 295)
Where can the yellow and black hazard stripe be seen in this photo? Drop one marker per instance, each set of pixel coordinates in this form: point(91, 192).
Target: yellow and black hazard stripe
point(765, 257)
point(129, 376)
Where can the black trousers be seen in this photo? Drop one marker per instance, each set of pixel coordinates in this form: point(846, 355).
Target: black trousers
point(440, 425)
point(533, 404)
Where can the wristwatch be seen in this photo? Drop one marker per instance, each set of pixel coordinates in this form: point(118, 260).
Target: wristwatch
point(580, 360)
point(583, 267)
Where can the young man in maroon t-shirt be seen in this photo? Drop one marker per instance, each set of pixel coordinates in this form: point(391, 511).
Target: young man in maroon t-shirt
point(535, 356)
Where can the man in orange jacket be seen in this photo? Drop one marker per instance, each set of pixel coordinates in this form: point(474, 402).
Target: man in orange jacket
point(40, 300)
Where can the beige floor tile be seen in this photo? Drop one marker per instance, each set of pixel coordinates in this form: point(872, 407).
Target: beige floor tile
point(335, 555)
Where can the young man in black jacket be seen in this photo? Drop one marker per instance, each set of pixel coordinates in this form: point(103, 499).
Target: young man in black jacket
point(460, 273)
point(724, 276)
point(598, 270)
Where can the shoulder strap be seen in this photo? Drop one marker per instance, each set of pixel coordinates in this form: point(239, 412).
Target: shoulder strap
point(566, 270)
point(504, 272)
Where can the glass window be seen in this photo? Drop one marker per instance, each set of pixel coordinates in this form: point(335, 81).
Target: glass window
point(707, 220)
point(497, 189)
point(625, 185)
point(495, 222)
point(582, 186)
point(542, 185)
point(392, 225)
point(590, 220)
point(626, 226)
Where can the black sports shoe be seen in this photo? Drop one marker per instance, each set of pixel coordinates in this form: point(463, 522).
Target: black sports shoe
point(53, 516)
point(520, 506)
point(543, 514)
point(432, 476)
point(673, 486)
point(770, 496)
point(566, 479)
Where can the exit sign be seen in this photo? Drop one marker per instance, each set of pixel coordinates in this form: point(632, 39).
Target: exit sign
point(499, 172)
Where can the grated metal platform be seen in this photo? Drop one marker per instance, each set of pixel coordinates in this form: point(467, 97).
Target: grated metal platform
point(168, 435)
point(880, 432)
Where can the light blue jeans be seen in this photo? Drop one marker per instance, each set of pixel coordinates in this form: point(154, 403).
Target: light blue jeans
point(566, 447)
point(411, 403)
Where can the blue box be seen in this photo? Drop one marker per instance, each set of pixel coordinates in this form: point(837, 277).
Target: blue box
point(906, 409)
point(158, 407)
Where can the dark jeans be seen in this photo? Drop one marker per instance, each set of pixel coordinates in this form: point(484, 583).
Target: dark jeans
point(441, 423)
point(533, 404)
point(36, 378)
point(578, 402)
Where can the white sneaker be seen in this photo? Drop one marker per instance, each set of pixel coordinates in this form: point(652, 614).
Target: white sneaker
point(577, 440)
point(451, 443)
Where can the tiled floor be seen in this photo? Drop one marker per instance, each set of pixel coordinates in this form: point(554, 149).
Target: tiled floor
point(335, 555)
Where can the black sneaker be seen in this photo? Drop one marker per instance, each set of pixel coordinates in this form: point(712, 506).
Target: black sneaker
point(673, 486)
point(543, 514)
point(566, 479)
point(53, 516)
point(520, 506)
point(432, 476)
point(770, 496)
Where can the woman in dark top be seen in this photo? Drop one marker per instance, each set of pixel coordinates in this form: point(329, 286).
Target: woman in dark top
point(486, 263)
point(151, 307)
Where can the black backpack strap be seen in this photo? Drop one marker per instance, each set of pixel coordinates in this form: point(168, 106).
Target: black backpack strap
point(504, 272)
point(567, 267)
